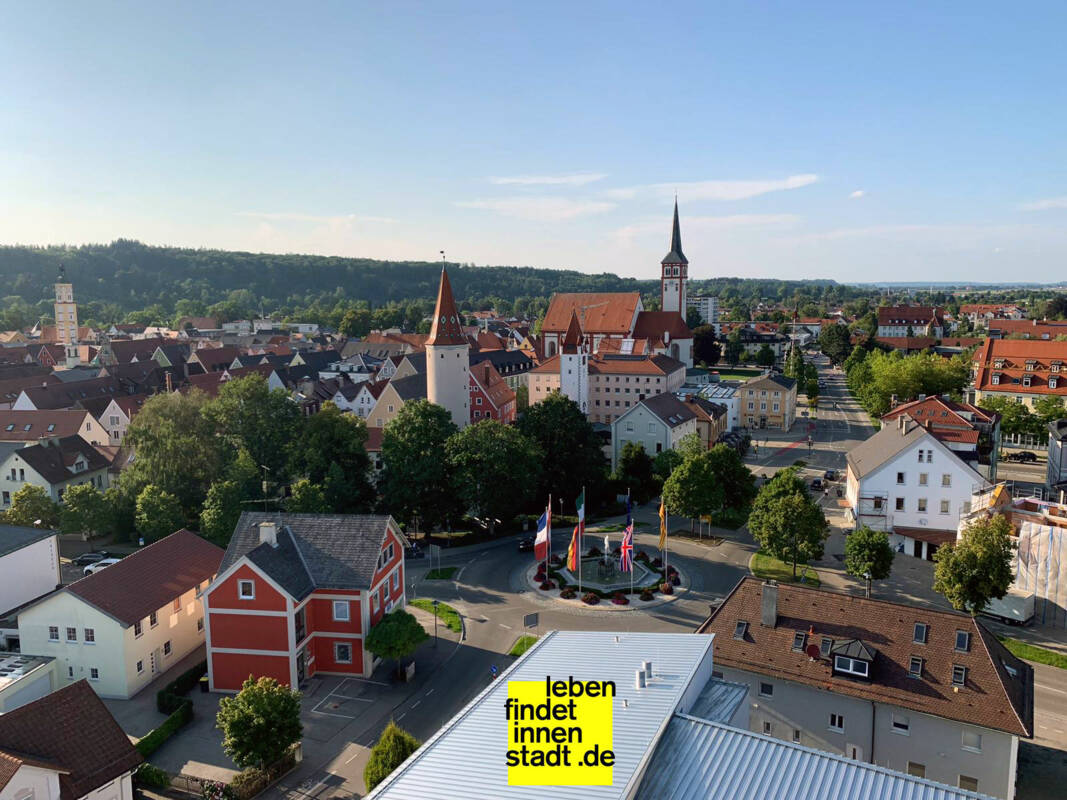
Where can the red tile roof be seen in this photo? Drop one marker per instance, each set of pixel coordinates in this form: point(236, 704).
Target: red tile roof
point(1007, 359)
point(610, 364)
point(52, 422)
point(215, 357)
point(447, 328)
point(990, 698)
point(910, 315)
point(150, 578)
point(211, 382)
point(655, 324)
point(598, 312)
point(945, 419)
point(1032, 328)
point(492, 384)
point(71, 731)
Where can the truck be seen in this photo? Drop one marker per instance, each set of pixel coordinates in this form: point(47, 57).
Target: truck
point(1015, 608)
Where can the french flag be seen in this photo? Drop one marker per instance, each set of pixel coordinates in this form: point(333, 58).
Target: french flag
point(544, 533)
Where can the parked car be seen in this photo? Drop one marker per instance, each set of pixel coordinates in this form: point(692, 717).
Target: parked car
point(90, 558)
point(830, 475)
point(1025, 456)
point(526, 544)
point(816, 484)
point(1015, 608)
point(99, 565)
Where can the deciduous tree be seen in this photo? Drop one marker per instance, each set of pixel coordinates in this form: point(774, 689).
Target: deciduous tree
point(396, 636)
point(158, 513)
point(84, 511)
point(977, 568)
point(32, 507)
point(835, 341)
point(393, 747)
point(262, 421)
point(223, 506)
point(307, 498)
point(692, 489)
point(706, 348)
point(417, 479)
point(787, 522)
point(259, 723)
point(329, 439)
point(868, 555)
point(634, 472)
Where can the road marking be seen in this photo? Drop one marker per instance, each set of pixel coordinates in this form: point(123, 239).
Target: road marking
point(401, 716)
point(353, 758)
point(415, 705)
point(1049, 688)
point(346, 697)
point(430, 692)
point(502, 625)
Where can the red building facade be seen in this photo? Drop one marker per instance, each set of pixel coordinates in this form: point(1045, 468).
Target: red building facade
point(491, 397)
point(296, 593)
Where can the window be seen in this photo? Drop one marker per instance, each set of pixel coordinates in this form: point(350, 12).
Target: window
point(959, 675)
point(396, 580)
point(968, 783)
point(70, 672)
point(900, 504)
point(921, 456)
point(972, 741)
point(94, 674)
point(176, 606)
point(919, 635)
point(922, 505)
point(342, 652)
point(946, 480)
point(799, 640)
point(851, 666)
point(374, 602)
point(199, 624)
point(90, 636)
point(166, 647)
point(766, 689)
point(152, 620)
point(944, 506)
point(900, 478)
point(923, 478)
point(246, 590)
point(137, 629)
point(72, 634)
point(825, 645)
point(768, 728)
point(901, 724)
point(916, 770)
point(837, 723)
point(140, 667)
point(740, 629)
point(963, 641)
point(915, 667)
point(53, 633)
point(796, 736)
point(340, 611)
point(878, 504)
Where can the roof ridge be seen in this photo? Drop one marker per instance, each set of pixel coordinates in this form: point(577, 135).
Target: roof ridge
point(983, 633)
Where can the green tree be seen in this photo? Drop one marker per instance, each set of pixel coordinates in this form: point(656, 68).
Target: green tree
point(263, 422)
point(522, 398)
point(868, 555)
point(393, 747)
point(330, 439)
point(787, 522)
point(765, 356)
point(1049, 408)
point(356, 323)
point(690, 446)
point(634, 472)
point(307, 498)
point(835, 341)
point(416, 479)
point(692, 490)
point(693, 318)
point(976, 568)
point(573, 453)
point(84, 511)
point(706, 349)
point(259, 723)
point(737, 481)
point(31, 507)
point(158, 513)
point(734, 348)
point(395, 637)
point(1015, 418)
point(665, 463)
point(811, 389)
point(223, 506)
point(495, 469)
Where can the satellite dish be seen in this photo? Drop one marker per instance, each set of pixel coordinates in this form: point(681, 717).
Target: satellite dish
point(813, 652)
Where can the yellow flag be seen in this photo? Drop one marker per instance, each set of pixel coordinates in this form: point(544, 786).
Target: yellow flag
point(662, 525)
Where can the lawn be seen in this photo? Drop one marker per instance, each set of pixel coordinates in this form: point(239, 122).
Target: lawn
point(524, 643)
point(443, 574)
point(1029, 652)
point(448, 615)
point(614, 527)
point(764, 565)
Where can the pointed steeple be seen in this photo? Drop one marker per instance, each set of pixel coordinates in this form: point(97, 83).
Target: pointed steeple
point(676, 256)
point(572, 339)
point(447, 328)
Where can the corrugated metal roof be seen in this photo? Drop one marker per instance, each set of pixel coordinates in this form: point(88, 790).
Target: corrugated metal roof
point(467, 757)
point(718, 701)
point(701, 760)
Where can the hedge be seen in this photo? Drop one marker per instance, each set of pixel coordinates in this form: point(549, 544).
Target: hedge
point(152, 776)
point(155, 739)
point(170, 696)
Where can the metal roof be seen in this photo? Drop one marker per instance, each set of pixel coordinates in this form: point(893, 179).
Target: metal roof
point(467, 756)
point(701, 760)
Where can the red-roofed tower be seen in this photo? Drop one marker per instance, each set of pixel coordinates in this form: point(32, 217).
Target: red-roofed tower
point(574, 365)
point(448, 358)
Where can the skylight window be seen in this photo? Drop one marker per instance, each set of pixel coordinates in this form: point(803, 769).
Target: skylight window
point(741, 629)
point(799, 640)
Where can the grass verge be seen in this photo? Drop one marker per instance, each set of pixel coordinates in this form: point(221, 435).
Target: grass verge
point(764, 565)
point(524, 643)
point(448, 615)
point(443, 574)
point(1030, 652)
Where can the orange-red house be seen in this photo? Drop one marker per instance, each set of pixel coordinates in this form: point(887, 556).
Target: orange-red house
point(296, 593)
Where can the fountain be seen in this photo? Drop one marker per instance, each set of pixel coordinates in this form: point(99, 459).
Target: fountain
point(603, 573)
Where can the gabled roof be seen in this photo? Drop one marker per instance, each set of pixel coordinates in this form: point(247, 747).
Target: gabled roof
point(15, 537)
point(654, 324)
point(598, 312)
point(413, 387)
point(779, 381)
point(29, 426)
point(72, 732)
point(447, 328)
point(494, 386)
point(991, 697)
point(671, 411)
point(1014, 355)
point(572, 339)
point(215, 357)
point(891, 440)
point(315, 551)
point(68, 395)
point(675, 256)
point(52, 459)
point(910, 315)
point(149, 579)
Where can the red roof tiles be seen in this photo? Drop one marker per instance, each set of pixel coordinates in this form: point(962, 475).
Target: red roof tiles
point(598, 312)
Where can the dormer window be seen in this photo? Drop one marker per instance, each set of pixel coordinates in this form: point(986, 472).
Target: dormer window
point(1030, 364)
point(996, 379)
point(740, 629)
point(1054, 366)
point(1053, 382)
point(959, 675)
point(1026, 380)
point(852, 658)
point(852, 666)
point(800, 639)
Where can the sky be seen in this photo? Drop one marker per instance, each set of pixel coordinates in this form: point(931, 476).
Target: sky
point(853, 141)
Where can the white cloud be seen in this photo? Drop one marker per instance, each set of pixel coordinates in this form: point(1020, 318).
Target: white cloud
point(340, 219)
point(541, 209)
point(1046, 204)
point(726, 190)
point(856, 195)
point(577, 179)
point(727, 222)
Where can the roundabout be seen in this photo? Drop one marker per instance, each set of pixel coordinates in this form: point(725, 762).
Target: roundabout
point(604, 587)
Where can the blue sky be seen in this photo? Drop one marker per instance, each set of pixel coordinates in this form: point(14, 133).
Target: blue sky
point(855, 141)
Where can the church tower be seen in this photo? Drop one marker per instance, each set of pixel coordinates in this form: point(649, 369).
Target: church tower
point(574, 365)
point(448, 358)
point(675, 272)
point(66, 313)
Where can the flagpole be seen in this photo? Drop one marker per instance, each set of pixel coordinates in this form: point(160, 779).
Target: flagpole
point(581, 535)
point(548, 556)
point(630, 521)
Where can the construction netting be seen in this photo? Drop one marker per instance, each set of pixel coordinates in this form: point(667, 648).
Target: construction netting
point(1041, 568)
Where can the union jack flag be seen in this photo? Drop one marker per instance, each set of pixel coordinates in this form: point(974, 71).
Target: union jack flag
point(626, 550)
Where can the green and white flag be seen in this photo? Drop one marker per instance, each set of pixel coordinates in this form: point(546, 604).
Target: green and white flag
point(580, 502)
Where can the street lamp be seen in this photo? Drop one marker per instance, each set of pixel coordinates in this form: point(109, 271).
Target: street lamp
point(435, 604)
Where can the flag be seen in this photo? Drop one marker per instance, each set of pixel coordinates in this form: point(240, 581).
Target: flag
point(580, 502)
point(629, 516)
point(544, 533)
point(573, 553)
point(626, 550)
point(662, 525)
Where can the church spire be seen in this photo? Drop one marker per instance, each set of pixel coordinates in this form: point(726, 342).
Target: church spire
point(572, 340)
point(447, 324)
point(676, 256)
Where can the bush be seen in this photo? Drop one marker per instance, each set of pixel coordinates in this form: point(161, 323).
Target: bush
point(568, 593)
point(214, 790)
point(646, 595)
point(170, 696)
point(657, 563)
point(251, 781)
point(641, 556)
point(671, 572)
point(392, 749)
point(620, 599)
point(155, 739)
point(152, 776)
point(591, 598)
point(546, 585)
point(666, 588)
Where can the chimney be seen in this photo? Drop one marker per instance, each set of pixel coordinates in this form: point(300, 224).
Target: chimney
point(268, 532)
point(639, 679)
point(769, 605)
point(922, 397)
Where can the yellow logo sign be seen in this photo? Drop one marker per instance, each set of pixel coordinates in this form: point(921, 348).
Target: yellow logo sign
point(560, 732)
